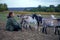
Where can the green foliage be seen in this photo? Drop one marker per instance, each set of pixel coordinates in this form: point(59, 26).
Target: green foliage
point(51, 8)
point(3, 7)
point(58, 8)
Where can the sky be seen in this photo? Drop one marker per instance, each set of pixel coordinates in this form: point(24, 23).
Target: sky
point(29, 3)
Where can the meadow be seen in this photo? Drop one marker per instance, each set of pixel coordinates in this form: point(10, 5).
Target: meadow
point(3, 15)
point(26, 35)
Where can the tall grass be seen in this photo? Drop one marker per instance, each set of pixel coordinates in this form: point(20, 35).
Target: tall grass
point(24, 12)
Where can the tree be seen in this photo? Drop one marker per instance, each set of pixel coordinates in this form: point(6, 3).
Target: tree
point(3, 7)
point(51, 8)
point(34, 10)
point(58, 8)
point(39, 8)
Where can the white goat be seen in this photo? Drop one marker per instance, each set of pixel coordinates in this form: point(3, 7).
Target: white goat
point(30, 22)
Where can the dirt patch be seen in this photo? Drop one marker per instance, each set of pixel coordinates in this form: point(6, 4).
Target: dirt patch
point(25, 35)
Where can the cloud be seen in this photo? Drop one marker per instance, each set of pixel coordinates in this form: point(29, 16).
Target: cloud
point(29, 3)
point(48, 2)
point(20, 3)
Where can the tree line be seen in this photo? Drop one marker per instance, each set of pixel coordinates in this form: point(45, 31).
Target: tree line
point(3, 7)
point(51, 8)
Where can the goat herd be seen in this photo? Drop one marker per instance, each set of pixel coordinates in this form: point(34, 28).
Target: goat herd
point(35, 21)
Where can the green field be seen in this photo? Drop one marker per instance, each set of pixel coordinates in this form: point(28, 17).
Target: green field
point(3, 15)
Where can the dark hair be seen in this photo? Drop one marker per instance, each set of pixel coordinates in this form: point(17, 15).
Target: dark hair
point(9, 15)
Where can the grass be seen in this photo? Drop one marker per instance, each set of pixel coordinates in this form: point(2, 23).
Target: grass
point(26, 35)
point(3, 15)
